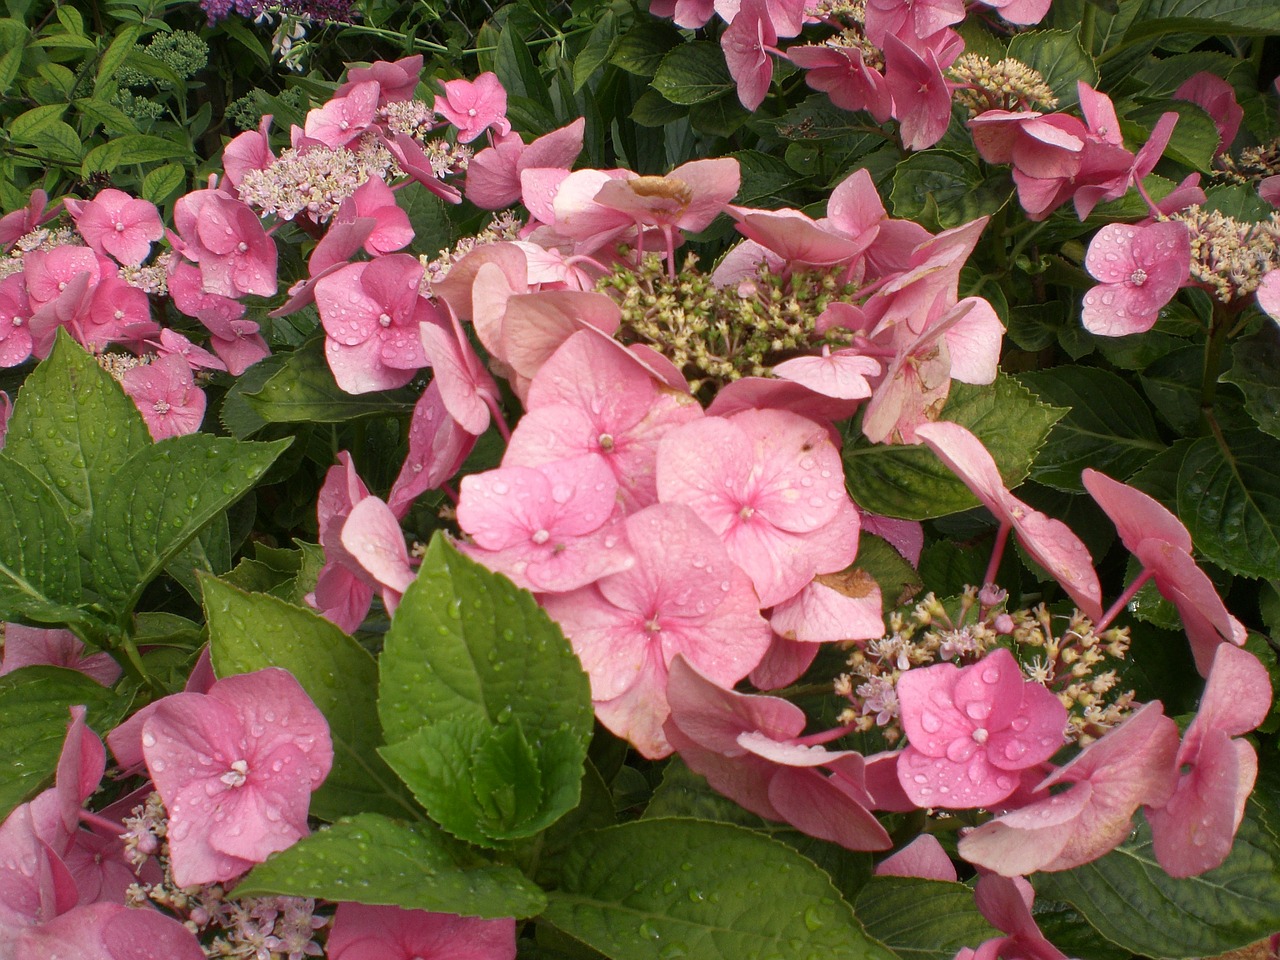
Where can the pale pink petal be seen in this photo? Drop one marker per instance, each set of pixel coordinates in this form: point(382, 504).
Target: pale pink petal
point(922, 857)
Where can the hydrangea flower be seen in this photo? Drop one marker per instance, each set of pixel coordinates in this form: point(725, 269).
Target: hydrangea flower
point(236, 768)
point(364, 932)
point(473, 106)
point(1140, 269)
point(970, 729)
point(117, 225)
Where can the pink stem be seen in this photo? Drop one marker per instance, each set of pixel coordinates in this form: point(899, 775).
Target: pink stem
point(1122, 601)
point(492, 404)
point(825, 736)
point(101, 823)
point(997, 553)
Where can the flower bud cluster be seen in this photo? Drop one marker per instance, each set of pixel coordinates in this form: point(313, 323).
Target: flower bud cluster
point(315, 180)
point(1228, 256)
point(1253, 164)
point(1076, 664)
point(1007, 85)
point(716, 335)
point(152, 277)
point(118, 364)
point(503, 226)
point(416, 118)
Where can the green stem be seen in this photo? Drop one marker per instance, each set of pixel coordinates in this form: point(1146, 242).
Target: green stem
point(1027, 236)
point(1219, 327)
point(1087, 27)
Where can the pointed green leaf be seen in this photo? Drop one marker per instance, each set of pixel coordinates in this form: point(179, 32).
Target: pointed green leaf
point(473, 672)
point(693, 73)
point(1059, 57)
point(33, 725)
point(1129, 900)
point(891, 910)
point(161, 498)
point(1108, 427)
point(642, 48)
point(1213, 17)
point(656, 889)
point(372, 859)
point(74, 428)
point(251, 631)
point(116, 54)
point(1229, 498)
point(910, 482)
point(601, 43)
point(39, 566)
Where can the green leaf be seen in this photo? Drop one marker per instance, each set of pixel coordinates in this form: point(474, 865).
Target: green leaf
point(33, 725)
point(897, 579)
point(652, 109)
point(1129, 900)
point(458, 709)
point(720, 117)
point(112, 118)
point(132, 148)
point(929, 919)
point(75, 429)
point(1108, 426)
point(60, 141)
point(1229, 498)
point(304, 391)
point(13, 41)
point(31, 124)
point(1254, 362)
point(163, 182)
point(1059, 57)
point(251, 631)
point(692, 73)
point(641, 49)
point(116, 54)
point(39, 566)
point(656, 889)
point(372, 859)
point(1210, 17)
point(765, 179)
point(601, 43)
point(515, 68)
point(941, 189)
point(161, 498)
point(910, 482)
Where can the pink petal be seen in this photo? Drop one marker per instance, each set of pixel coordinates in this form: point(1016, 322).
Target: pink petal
point(922, 857)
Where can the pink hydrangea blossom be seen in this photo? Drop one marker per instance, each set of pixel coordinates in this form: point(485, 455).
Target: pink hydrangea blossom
point(590, 398)
point(343, 591)
point(371, 314)
point(549, 528)
point(396, 80)
point(751, 749)
point(109, 931)
point(250, 150)
point(1105, 783)
point(1006, 904)
point(166, 395)
point(919, 91)
point(235, 768)
point(117, 225)
point(747, 43)
point(226, 239)
point(438, 445)
point(16, 342)
point(22, 221)
point(391, 231)
point(1140, 269)
point(771, 485)
point(365, 932)
point(372, 537)
point(923, 857)
point(1194, 829)
point(473, 106)
point(970, 729)
point(342, 120)
point(493, 175)
point(683, 596)
point(844, 76)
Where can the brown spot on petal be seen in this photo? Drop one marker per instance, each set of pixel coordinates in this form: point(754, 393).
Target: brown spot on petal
point(854, 583)
point(666, 188)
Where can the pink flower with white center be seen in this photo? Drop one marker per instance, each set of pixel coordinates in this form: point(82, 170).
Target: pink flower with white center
point(342, 120)
point(15, 321)
point(1105, 784)
point(590, 398)
point(236, 768)
point(166, 395)
point(1141, 268)
point(227, 240)
point(371, 314)
point(1194, 830)
point(747, 43)
point(197, 357)
point(683, 596)
point(911, 20)
point(1163, 546)
point(29, 646)
point(117, 225)
point(365, 932)
point(751, 749)
point(474, 106)
point(771, 485)
point(117, 313)
point(493, 175)
point(1049, 542)
point(970, 729)
point(918, 88)
point(549, 528)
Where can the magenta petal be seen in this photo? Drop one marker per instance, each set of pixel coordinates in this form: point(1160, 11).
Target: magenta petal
point(922, 857)
point(814, 804)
